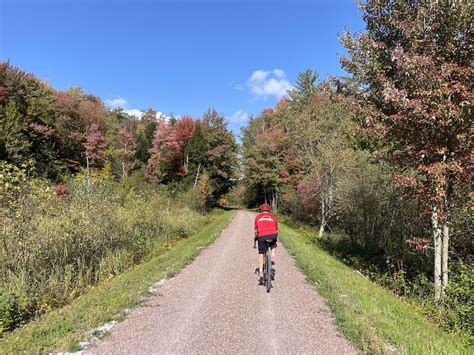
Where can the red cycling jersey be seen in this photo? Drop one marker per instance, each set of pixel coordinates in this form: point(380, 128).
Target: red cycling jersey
point(266, 224)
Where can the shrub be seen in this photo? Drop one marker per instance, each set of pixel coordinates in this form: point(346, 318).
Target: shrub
point(53, 248)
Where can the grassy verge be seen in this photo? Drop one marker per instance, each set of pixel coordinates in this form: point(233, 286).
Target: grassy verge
point(64, 328)
point(373, 319)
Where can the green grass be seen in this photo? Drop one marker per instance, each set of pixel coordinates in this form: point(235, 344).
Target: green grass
point(372, 318)
point(64, 328)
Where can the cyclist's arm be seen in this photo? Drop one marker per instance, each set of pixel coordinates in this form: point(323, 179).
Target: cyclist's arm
point(255, 229)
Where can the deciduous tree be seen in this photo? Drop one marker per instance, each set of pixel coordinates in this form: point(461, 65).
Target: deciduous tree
point(414, 69)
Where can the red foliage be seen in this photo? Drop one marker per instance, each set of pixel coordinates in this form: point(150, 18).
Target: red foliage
point(95, 144)
point(45, 131)
point(285, 176)
point(168, 145)
point(126, 139)
point(92, 110)
point(307, 190)
point(268, 110)
point(183, 130)
point(61, 190)
point(283, 101)
point(419, 243)
point(65, 101)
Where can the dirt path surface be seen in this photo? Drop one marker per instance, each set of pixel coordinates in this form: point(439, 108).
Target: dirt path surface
point(215, 306)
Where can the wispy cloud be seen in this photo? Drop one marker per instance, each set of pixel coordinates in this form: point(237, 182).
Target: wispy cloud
point(237, 86)
point(264, 84)
point(239, 117)
point(118, 102)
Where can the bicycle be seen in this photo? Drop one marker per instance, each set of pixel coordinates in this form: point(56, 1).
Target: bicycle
point(267, 265)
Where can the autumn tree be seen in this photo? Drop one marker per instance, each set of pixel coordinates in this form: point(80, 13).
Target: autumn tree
point(94, 145)
point(167, 161)
point(413, 66)
point(27, 114)
point(262, 153)
point(221, 153)
point(183, 131)
point(126, 151)
point(163, 153)
point(321, 135)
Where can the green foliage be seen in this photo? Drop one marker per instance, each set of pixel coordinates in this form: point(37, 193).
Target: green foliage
point(204, 191)
point(144, 136)
point(375, 320)
point(54, 247)
point(305, 86)
point(221, 153)
point(62, 329)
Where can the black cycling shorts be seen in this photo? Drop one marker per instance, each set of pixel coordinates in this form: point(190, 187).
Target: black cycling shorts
point(262, 244)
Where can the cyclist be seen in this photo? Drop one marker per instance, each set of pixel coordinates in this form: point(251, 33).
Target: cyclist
point(265, 227)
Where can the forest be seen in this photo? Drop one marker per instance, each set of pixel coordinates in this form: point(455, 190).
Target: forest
point(379, 162)
point(374, 167)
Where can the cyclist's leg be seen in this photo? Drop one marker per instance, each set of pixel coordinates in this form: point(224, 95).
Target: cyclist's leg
point(274, 246)
point(261, 252)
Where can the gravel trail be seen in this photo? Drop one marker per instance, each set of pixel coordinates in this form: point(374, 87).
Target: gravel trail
point(214, 306)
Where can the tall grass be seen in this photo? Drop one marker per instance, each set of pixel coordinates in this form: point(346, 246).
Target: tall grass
point(54, 247)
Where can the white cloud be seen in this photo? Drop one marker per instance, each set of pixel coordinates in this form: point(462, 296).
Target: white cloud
point(239, 117)
point(279, 73)
point(264, 84)
point(118, 102)
point(134, 112)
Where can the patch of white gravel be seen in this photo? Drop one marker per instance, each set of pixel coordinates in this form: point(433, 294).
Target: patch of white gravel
point(95, 335)
point(154, 288)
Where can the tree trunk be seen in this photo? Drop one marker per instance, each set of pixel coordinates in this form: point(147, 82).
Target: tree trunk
point(445, 236)
point(197, 176)
point(323, 218)
point(438, 246)
point(124, 173)
point(274, 201)
point(444, 258)
point(326, 207)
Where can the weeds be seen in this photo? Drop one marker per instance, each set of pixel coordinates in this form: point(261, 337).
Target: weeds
point(54, 246)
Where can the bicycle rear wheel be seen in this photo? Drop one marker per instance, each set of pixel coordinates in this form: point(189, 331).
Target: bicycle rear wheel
point(268, 270)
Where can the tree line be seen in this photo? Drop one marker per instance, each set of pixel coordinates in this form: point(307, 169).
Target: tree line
point(60, 133)
point(86, 192)
point(382, 157)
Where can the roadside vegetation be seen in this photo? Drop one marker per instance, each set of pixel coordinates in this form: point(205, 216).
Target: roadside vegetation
point(374, 319)
point(64, 328)
point(378, 162)
point(87, 192)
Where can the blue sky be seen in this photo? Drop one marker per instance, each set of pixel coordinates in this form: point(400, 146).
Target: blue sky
point(178, 57)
